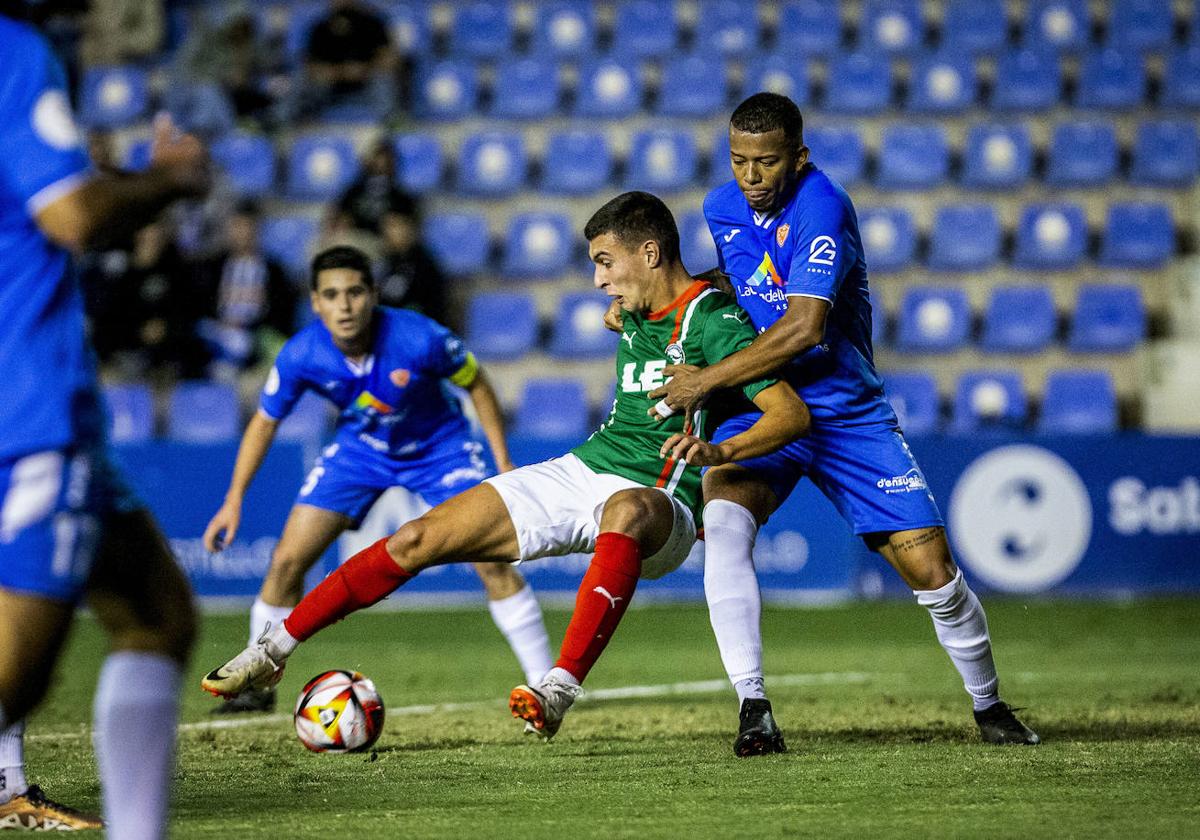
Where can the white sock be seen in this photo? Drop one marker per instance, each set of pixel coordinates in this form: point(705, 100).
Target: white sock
point(519, 618)
point(561, 675)
point(261, 613)
point(731, 589)
point(962, 629)
point(12, 760)
point(136, 710)
point(751, 688)
point(282, 641)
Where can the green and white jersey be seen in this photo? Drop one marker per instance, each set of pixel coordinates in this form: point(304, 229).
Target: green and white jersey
point(701, 327)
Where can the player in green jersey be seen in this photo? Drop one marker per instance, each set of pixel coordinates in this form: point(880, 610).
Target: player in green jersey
point(631, 493)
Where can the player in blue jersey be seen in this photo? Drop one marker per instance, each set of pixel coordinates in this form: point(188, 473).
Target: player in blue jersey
point(386, 370)
point(787, 239)
point(68, 528)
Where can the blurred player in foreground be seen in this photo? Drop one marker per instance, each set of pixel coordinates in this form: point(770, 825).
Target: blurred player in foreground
point(787, 237)
point(385, 369)
point(631, 492)
point(68, 527)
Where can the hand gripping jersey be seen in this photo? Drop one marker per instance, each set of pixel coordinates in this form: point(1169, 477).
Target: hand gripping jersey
point(810, 247)
point(701, 327)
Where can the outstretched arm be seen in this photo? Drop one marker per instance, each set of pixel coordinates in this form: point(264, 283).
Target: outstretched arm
point(256, 440)
point(784, 418)
point(483, 397)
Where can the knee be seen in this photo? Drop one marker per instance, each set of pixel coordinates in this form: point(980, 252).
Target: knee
point(634, 512)
point(413, 546)
point(289, 566)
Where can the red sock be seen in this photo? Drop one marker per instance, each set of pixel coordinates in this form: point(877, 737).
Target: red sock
point(366, 578)
point(603, 597)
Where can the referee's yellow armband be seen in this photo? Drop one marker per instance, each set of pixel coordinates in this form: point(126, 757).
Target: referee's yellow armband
point(467, 373)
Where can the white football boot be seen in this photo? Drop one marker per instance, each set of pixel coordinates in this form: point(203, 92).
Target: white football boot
point(544, 707)
point(258, 667)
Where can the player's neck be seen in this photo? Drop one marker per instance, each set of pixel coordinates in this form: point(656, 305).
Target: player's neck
point(356, 349)
point(674, 283)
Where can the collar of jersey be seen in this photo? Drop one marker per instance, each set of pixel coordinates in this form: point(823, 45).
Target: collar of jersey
point(765, 220)
point(688, 295)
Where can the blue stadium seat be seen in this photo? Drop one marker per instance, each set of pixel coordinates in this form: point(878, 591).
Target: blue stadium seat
point(810, 27)
point(1027, 80)
point(727, 28)
point(526, 88)
point(879, 324)
point(320, 167)
point(696, 244)
point(137, 155)
point(933, 320)
point(1107, 319)
point(419, 163)
point(578, 331)
point(1181, 81)
point(661, 160)
point(482, 29)
point(1058, 25)
point(609, 88)
point(914, 396)
point(309, 421)
point(1138, 235)
point(248, 160)
point(1079, 402)
point(458, 241)
point(838, 151)
point(445, 90)
point(130, 412)
point(975, 26)
point(576, 162)
point(720, 167)
point(501, 325)
point(298, 20)
point(645, 29)
point(491, 164)
point(858, 83)
point(553, 409)
point(1051, 237)
point(200, 107)
point(692, 86)
point(537, 245)
point(889, 238)
point(780, 73)
point(113, 97)
point(989, 400)
point(1111, 78)
point(1140, 24)
point(965, 237)
point(998, 157)
point(408, 24)
point(1165, 154)
point(944, 83)
point(1019, 319)
point(288, 239)
point(564, 28)
point(203, 412)
point(893, 26)
point(1082, 154)
point(913, 157)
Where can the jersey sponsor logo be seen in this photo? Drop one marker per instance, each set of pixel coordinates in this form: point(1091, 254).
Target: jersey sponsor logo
point(766, 271)
point(271, 388)
point(650, 377)
point(400, 377)
point(772, 295)
point(729, 236)
point(52, 121)
point(907, 483)
point(675, 353)
point(781, 234)
point(628, 338)
point(366, 401)
point(822, 251)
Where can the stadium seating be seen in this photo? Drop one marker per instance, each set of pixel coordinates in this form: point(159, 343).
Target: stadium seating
point(1027, 80)
point(1019, 319)
point(914, 396)
point(891, 26)
point(445, 90)
point(203, 412)
point(696, 245)
point(491, 164)
point(200, 108)
point(913, 157)
point(810, 27)
point(989, 400)
point(859, 83)
point(933, 320)
point(553, 409)
point(320, 167)
point(944, 83)
point(720, 168)
point(1138, 235)
point(564, 28)
point(784, 74)
point(525, 88)
point(287, 239)
point(482, 29)
point(726, 28)
point(501, 325)
point(661, 160)
point(309, 421)
point(1181, 81)
point(249, 162)
point(645, 29)
point(1140, 24)
point(692, 86)
point(1051, 237)
point(408, 24)
point(130, 413)
point(576, 162)
point(458, 241)
point(1082, 154)
point(975, 26)
point(537, 245)
point(889, 238)
point(608, 88)
point(578, 330)
point(1111, 78)
point(113, 97)
point(1107, 319)
point(1165, 154)
point(997, 157)
point(965, 237)
point(1079, 402)
point(137, 155)
point(839, 152)
point(419, 162)
point(1056, 24)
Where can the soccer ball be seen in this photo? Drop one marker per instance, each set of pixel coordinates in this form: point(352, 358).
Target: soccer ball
point(339, 711)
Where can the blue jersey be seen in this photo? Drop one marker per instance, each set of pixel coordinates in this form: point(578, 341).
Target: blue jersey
point(50, 397)
point(810, 247)
point(394, 404)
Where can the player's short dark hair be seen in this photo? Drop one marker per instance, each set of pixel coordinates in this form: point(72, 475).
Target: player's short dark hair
point(764, 112)
point(634, 217)
point(342, 256)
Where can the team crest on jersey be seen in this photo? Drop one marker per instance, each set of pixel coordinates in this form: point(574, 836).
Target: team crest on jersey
point(781, 233)
point(400, 377)
point(675, 353)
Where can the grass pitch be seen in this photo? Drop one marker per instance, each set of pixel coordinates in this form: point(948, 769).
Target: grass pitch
point(881, 738)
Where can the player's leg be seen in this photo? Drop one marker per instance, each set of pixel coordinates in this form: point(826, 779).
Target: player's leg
point(518, 615)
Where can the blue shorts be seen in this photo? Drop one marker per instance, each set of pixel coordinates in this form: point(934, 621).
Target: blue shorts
point(52, 508)
point(348, 482)
point(867, 471)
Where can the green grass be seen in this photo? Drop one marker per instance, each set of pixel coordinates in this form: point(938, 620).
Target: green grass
point(886, 748)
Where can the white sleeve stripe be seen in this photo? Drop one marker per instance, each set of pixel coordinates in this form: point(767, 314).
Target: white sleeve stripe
point(63, 186)
point(828, 300)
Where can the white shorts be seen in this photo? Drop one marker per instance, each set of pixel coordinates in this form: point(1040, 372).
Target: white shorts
point(556, 505)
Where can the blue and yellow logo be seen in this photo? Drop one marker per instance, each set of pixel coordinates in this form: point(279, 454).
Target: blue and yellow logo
point(766, 269)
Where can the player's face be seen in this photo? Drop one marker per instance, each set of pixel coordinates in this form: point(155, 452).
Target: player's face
point(344, 303)
point(623, 273)
point(765, 166)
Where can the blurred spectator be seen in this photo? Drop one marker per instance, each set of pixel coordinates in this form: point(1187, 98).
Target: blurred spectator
point(121, 31)
point(376, 190)
point(409, 277)
point(230, 56)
